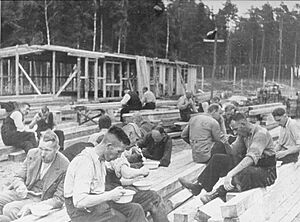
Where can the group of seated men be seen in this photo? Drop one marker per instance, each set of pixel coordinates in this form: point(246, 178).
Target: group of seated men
point(246, 161)
point(15, 133)
point(132, 101)
point(87, 176)
point(232, 147)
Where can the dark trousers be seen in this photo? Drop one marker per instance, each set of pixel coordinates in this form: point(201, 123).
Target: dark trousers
point(290, 158)
point(149, 106)
point(126, 109)
point(106, 212)
point(61, 138)
point(23, 140)
point(250, 177)
point(185, 114)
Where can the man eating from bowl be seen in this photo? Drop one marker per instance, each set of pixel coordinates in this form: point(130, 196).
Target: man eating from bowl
point(39, 184)
point(84, 188)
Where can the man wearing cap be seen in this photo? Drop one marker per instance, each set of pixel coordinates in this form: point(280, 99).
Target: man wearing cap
point(288, 145)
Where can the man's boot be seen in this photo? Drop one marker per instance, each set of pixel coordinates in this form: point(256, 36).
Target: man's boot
point(220, 192)
point(194, 188)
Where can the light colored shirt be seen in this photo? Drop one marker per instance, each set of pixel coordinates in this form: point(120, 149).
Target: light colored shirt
point(85, 176)
point(148, 97)
point(125, 99)
point(18, 120)
point(185, 103)
point(44, 168)
point(257, 145)
point(289, 135)
point(203, 131)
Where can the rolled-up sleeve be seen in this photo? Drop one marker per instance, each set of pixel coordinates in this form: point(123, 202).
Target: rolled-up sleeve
point(257, 146)
point(295, 131)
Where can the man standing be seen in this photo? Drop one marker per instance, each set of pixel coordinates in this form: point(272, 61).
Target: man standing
point(130, 101)
point(148, 99)
point(13, 130)
point(186, 106)
point(40, 181)
point(288, 146)
point(84, 189)
point(251, 164)
point(203, 133)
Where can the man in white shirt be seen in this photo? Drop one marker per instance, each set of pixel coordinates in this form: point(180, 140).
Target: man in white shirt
point(130, 101)
point(148, 100)
point(186, 106)
point(13, 130)
point(288, 145)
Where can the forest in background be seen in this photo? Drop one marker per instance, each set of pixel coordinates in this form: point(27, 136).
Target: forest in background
point(150, 28)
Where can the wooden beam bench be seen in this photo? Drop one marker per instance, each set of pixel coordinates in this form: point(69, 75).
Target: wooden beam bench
point(166, 185)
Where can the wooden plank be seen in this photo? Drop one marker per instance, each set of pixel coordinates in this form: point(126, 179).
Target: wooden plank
point(264, 110)
point(104, 79)
point(53, 72)
point(86, 77)
point(30, 80)
point(187, 212)
point(17, 90)
point(209, 210)
point(1, 77)
point(96, 79)
point(70, 78)
point(241, 203)
point(78, 77)
point(177, 199)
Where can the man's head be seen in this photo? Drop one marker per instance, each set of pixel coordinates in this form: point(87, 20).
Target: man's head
point(215, 111)
point(145, 89)
point(24, 108)
point(188, 94)
point(158, 134)
point(113, 143)
point(240, 124)
point(48, 146)
point(215, 100)
point(44, 111)
point(104, 122)
point(230, 110)
point(126, 90)
point(280, 116)
point(137, 118)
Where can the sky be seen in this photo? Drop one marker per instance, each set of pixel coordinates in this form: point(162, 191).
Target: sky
point(244, 5)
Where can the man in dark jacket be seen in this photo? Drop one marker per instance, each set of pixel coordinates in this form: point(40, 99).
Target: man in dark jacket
point(157, 145)
point(130, 101)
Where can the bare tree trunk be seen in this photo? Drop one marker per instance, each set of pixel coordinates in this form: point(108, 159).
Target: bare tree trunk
point(261, 53)
point(168, 36)
point(101, 26)
point(119, 42)
point(95, 26)
point(46, 21)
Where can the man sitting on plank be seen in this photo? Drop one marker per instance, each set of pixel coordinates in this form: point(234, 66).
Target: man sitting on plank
point(250, 164)
point(40, 180)
point(84, 189)
point(288, 144)
point(204, 134)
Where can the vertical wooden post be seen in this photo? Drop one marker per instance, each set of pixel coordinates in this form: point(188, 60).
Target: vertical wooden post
point(1, 77)
point(264, 77)
point(78, 77)
point(128, 74)
point(234, 77)
point(155, 77)
point(214, 66)
point(121, 77)
point(86, 78)
point(96, 79)
point(104, 79)
point(9, 77)
point(202, 77)
point(292, 75)
point(112, 88)
point(17, 72)
point(53, 72)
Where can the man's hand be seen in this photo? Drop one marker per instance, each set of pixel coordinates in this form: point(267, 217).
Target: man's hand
point(281, 154)
point(22, 191)
point(227, 183)
point(145, 171)
point(25, 210)
point(117, 193)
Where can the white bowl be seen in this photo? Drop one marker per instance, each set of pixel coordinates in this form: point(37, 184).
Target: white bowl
point(40, 209)
point(127, 182)
point(127, 197)
point(143, 185)
point(151, 164)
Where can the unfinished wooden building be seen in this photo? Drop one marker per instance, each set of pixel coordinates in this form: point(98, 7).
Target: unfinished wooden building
point(58, 70)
